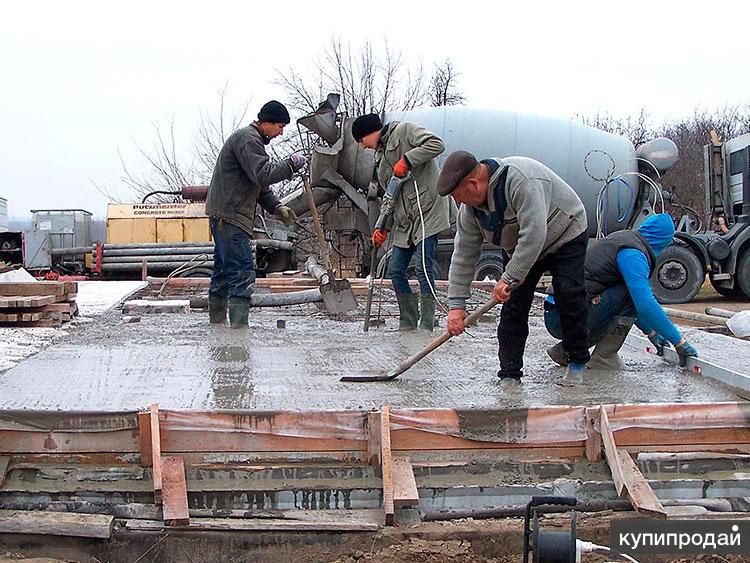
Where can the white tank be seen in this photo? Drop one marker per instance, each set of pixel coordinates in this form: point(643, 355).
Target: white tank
point(583, 156)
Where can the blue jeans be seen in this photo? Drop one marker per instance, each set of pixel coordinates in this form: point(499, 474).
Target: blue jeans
point(613, 302)
point(399, 262)
point(234, 266)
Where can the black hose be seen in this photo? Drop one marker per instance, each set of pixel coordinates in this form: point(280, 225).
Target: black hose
point(163, 192)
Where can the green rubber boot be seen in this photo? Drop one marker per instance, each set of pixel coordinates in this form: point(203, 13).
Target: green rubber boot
point(605, 355)
point(217, 309)
point(239, 310)
point(408, 309)
point(427, 312)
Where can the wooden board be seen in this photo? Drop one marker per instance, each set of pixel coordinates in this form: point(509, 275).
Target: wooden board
point(56, 523)
point(174, 491)
point(373, 438)
point(404, 484)
point(144, 438)
point(639, 491)
point(610, 451)
point(4, 462)
point(386, 464)
point(156, 451)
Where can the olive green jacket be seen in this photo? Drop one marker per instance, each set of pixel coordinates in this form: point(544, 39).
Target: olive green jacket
point(421, 148)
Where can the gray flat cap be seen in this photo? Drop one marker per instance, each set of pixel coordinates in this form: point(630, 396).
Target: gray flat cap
point(456, 167)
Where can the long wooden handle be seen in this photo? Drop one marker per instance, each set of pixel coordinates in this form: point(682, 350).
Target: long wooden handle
point(316, 223)
point(442, 339)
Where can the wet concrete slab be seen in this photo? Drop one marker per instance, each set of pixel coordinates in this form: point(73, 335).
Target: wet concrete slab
point(179, 361)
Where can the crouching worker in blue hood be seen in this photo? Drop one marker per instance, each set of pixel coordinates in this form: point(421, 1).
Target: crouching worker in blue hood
point(617, 272)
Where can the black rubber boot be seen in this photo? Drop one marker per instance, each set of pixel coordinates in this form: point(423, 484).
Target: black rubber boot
point(427, 312)
point(239, 310)
point(408, 310)
point(217, 309)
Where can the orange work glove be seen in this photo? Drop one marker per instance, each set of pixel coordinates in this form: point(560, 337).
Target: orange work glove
point(501, 293)
point(456, 321)
point(401, 168)
point(378, 237)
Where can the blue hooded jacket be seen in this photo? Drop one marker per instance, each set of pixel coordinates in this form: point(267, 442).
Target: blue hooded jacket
point(658, 230)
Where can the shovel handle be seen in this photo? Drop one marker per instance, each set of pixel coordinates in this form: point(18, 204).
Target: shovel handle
point(316, 222)
point(442, 339)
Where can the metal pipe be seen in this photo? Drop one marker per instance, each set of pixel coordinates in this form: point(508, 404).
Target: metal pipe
point(289, 298)
point(260, 243)
point(74, 251)
point(699, 317)
point(107, 259)
point(716, 311)
point(136, 266)
point(158, 251)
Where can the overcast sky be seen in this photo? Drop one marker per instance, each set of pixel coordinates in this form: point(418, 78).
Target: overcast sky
point(84, 80)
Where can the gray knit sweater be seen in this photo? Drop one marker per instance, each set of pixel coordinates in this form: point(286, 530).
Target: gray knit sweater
point(543, 213)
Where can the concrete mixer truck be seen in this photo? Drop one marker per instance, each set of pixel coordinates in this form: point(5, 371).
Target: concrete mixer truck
point(618, 185)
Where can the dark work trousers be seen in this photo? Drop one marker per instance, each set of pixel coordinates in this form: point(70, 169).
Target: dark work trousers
point(566, 267)
point(234, 267)
point(613, 302)
point(399, 263)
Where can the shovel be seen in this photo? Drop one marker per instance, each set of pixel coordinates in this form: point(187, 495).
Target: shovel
point(338, 296)
point(366, 376)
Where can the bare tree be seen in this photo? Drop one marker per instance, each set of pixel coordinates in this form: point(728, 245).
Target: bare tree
point(368, 80)
point(636, 128)
point(165, 166)
point(443, 86)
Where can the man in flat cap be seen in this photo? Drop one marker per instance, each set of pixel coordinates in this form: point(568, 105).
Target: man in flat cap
point(241, 180)
point(525, 208)
point(419, 214)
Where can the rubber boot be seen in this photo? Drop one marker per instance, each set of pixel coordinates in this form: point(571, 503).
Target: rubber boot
point(239, 310)
point(605, 355)
point(217, 309)
point(558, 354)
point(408, 310)
point(427, 312)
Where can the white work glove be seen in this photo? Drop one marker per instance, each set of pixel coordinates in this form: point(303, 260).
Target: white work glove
point(298, 161)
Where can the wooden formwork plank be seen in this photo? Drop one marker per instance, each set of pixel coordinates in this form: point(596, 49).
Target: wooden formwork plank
point(639, 491)
point(373, 438)
point(610, 451)
point(174, 491)
point(593, 437)
point(4, 462)
point(386, 464)
point(404, 484)
point(627, 477)
point(156, 451)
point(56, 523)
point(144, 438)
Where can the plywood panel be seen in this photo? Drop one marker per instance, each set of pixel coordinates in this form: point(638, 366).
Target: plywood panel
point(196, 230)
point(169, 230)
point(125, 231)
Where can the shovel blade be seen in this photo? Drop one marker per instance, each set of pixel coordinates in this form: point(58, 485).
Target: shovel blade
point(369, 375)
point(338, 296)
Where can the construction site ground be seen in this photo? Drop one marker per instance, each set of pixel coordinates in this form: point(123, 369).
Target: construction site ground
point(103, 363)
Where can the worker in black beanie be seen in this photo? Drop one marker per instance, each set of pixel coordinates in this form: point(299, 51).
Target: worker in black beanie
point(241, 180)
point(419, 213)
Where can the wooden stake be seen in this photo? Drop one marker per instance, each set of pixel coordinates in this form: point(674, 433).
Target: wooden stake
point(156, 451)
point(386, 464)
point(175, 500)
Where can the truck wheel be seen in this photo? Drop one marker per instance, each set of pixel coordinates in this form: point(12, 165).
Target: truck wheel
point(743, 273)
point(678, 275)
point(490, 266)
point(730, 292)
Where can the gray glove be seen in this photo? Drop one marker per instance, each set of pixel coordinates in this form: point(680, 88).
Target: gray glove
point(286, 215)
point(658, 341)
point(298, 161)
point(685, 351)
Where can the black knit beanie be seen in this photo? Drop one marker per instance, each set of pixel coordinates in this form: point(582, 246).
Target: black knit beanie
point(274, 112)
point(364, 125)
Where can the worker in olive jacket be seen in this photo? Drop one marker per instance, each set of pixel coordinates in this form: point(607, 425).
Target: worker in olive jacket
point(241, 180)
point(419, 214)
